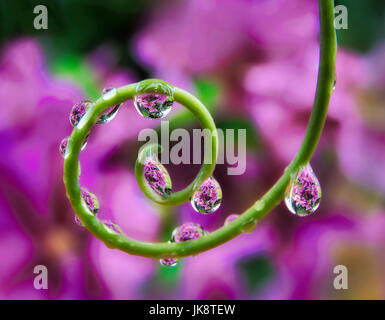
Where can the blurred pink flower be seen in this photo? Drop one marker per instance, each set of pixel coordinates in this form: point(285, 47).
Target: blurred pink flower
point(192, 36)
point(318, 246)
point(281, 93)
point(361, 142)
point(215, 274)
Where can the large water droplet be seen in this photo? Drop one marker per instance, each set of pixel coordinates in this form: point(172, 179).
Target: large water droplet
point(207, 198)
point(78, 111)
point(157, 177)
point(187, 231)
point(231, 218)
point(110, 113)
point(168, 262)
point(153, 105)
point(112, 226)
point(303, 194)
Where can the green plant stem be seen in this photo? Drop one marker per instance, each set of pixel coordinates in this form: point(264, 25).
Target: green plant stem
point(268, 201)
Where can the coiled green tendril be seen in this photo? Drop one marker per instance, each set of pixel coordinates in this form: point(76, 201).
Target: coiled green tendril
point(328, 49)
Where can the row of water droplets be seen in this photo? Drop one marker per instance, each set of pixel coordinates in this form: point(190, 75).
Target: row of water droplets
point(77, 113)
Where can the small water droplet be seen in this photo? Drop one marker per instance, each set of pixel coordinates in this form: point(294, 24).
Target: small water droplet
point(90, 200)
point(187, 231)
point(153, 105)
point(249, 227)
point(334, 80)
point(208, 197)
point(157, 177)
point(168, 262)
point(84, 143)
point(303, 194)
point(112, 226)
point(231, 218)
point(77, 221)
point(78, 111)
point(259, 205)
point(108, 93)
point(63, 146)
point(110, 113)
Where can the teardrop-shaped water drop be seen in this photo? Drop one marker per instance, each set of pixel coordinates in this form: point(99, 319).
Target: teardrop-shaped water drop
point(78, 111)
point(110, 113)
point(230, 218)
point(84, 142)
point(90, 200)
point(64, 144)
point(112, 226)
point(303, 194)
point(249, 227)
point(334, 81)
point(157, 177)
point(208, 197)
point(63, 147)
point(77, 221)
point(187, 231)
point(168, 262)
point(153, 105)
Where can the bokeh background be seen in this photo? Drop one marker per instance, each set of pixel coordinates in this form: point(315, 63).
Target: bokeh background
point(254, 64)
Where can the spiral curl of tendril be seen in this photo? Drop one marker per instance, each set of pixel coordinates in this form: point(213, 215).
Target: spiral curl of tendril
point(328, 50)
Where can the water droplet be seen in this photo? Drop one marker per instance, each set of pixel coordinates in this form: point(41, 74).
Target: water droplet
point(108, 93)
point(63, 146)
point(207, 198)
point(231, 218)
point(90, 200)
point(249, 227)
point(153, 105)
point(168, 262)
point(78, 111)
point(157, 177)
point(303, 194)
point(334, 80)
point(77, 221)
point(84, 142)
point(110, 113)
point(79, 170)
point(259, 205)
point(187, 231)
point(112, 226)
